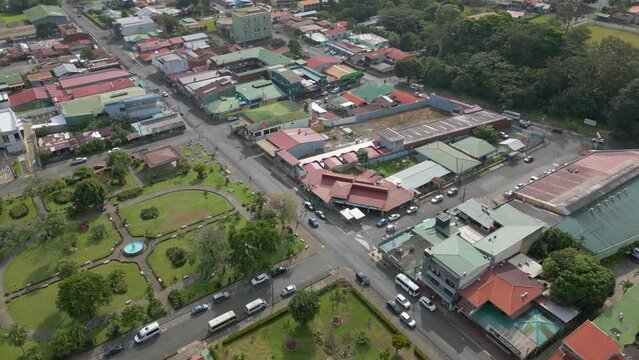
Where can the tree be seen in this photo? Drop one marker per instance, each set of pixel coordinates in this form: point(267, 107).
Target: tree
point(66, 341)
point(400, 341)
point(89, 192)
point(258, 202)
point(362, 338)
point(447, 14)
point(362, 155)
point(400, 19)
point(304, 306)
point(624, 112)
point(54, 224)
point(253, 245)
point(277, 43)
point(41, 187)
point(83, 172)
point(118, 163)
point(487, 133)
point(132, 316)
point(567, 11)
point(408, 68)
point(209, 248)
point(63, 268)
point(46, 30)
point(117, 281)
point(285, 207)
point(577, 278)
point(553, 240)
point(35, 353)
point(81, 295)
point(200, 169)
point(15, 335)
point(98, 232)
point(170, 23)
point(295, 47)
point(384, 355)
point(626, 285)
point(88, 53)
point(408, 41)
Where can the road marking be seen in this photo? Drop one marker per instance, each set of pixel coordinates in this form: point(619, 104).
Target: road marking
point(363, 242)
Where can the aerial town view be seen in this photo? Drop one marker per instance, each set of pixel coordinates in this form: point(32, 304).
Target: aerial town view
point(319, 179)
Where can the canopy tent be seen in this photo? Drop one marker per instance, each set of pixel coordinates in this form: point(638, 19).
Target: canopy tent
point(350, 214)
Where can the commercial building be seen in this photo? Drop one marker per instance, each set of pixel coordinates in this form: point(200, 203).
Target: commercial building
point(10, 134)
point(18, 33)
point(29, 99)
point(72, 82)
point(267, 119)
point(452, 159)
point(170, 63)
point(476, 148)
point(80, 111)
point(249, 64)
point(286, 146)
point(41, 14)
point(298, 80)
point(162, 124)
point(138, 107)
point(134, 25)
point(309, 5)
point(370, 41)
point(419, 176)
point(250, 24)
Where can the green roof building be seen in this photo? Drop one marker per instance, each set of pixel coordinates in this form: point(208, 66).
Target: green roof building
point(11, 80)
point(372, 91)
point(41, 14)
point(447, 156)
point(273, 117)
point(259, 91)
point(220, 106)
point(250, 62)
point(78, 112)
point(477, 148)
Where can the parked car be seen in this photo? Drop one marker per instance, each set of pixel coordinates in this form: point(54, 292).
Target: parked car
point(390, 228)
point(381, 222)
point(221, 296)
point(633, 255)
point(112, 350)
point(529, 159)
point(309, 206)
point(362, 279)
point(78, 161)
point(452, 191)
point(394, 217)
point(279, 271)
point(259, 279)
point(199, 308)
point(557, 130)
point(408, 320)
point(411, 210)
point(533, 178)
point(402, 301)
point(313, 222)
point(97, 166)
point(427, 303)
point(519, 186)
point(509, 194)
point(288, 290)
point(165, 94)
point(393, 307)
point(115, 149)
point(437, 199)
point(231, 118)
point(320, 214)
point(503, 135)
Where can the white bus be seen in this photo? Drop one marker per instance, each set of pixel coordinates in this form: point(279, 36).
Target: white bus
point(407, 284)
point(222, 321)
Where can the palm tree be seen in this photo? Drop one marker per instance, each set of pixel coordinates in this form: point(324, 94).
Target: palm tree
point(626, 285)
point(16, 335)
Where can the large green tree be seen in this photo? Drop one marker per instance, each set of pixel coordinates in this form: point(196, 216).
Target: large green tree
point(54, 224)
point(253, 245)
point(284, 205)
point(118, 163)
point(554, 239)
point(81, 295)
point(132, 316)
point(89, 192)
point(15, 335)
point(486, 132)
point(409, 68)
point(400, 341)
point(209, 249)
point(304, 306)
point(624, 112)
point(578, 278)
point(63, 268)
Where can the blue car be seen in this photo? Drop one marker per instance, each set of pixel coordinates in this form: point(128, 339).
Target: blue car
point(313, 222)
point(381, 222)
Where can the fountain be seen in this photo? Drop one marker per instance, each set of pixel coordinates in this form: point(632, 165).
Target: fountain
point(133, 248)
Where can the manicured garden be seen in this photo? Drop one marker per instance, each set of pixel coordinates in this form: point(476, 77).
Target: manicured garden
point(598, 33)
point(343, 318)
point(37, 310)
point(18, 202)
point(33, 264)
point(173, 211)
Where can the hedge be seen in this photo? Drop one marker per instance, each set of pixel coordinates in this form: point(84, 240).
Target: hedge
point(129, 194)
point(149, 213)
point(18, 211)
point(419, 354)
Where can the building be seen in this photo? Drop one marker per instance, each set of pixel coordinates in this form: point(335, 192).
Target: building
point(286, 146)
point(476, 148)
point(370, 41)
point(250, 24)
point(11, 80)
point(40, 78)
point(337, 34)
point(297, 80)
point(344, 48)
point(161, 159)
point(249, 64)
point(447, 156)
point(65, 69)
point(321, 63)
point(12, 141)
point(29, 99)
point(170, 63)
point(419, 176)
point(41, 14)
point(134, 25)
point(162, 124)
point(18, 33)
point(588, 342)
point(309, 5)
point(271, 118)
point(78, 112)
point(138, 107)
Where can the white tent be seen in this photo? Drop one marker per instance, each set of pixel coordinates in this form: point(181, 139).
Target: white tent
point(513, 144)
point(353, 213)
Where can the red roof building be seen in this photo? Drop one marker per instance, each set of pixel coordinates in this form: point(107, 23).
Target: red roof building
point(588, 342)
point(320, 63)
point(336, 31)
point(40, 77)
point(27, 98)
point(387, 54)
point(506, 287)
point(289, 145)
point(59, 94)
point(93, 78)
point(403, 97)
point(356, 100)
point(340, 24)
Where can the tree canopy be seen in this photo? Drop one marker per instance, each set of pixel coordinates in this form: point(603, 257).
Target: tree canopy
point(553, 240)
point(486, 132)
point(252, 246)
point(118, 163)
point(89, 192)
point(209, 249)
point(285, 207)
point(81, 295)
point(304, 306)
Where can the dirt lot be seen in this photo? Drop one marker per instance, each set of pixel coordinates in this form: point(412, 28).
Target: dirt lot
point(366, 130)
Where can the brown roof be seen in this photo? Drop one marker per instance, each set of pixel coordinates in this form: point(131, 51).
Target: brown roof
point(589, 342)
point(161, 156)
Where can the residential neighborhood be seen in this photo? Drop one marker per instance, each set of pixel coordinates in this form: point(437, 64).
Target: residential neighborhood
point(316, 179)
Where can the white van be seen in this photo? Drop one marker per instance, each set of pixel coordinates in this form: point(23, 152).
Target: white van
point(147, 332)
point(255, 306)
point(407, 285)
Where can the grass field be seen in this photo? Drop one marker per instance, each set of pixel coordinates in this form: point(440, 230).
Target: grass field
point(32, 265)
point(13, 352)
point(390, 167)
point(542, 19)
point(10, 18)
point(355, 315)
point(5, 218)
point(176, 209)
point(597, 33)
point(37, 310)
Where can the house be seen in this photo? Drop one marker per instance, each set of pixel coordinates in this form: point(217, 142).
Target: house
point(134, 25)
point(297, 80)
point(40, 78)
point(58, 143)
point(93, 78)
point(309, 5)
point(250, 24)
point(191, 25)
point(64, 70)
point(12, 141)
point(161, 159)
point(320, 63)
point(285, 145)
point(344, 48)
point(41, 14)
point(476, 148)
point(370, 41)
point(337, 34)
point(11, 80)
point(162, 124)
point(588, 342)
point(170, 63)
point(29, 99)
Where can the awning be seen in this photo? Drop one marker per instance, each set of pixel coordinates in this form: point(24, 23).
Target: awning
point(346, 213)
point(353, 213)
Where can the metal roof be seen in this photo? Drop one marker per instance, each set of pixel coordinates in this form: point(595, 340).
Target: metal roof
point(418, 175)
point(475, 147)
point(449, 157)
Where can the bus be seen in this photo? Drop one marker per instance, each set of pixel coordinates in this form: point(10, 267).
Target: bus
point(511, 114)
point(407, 284)
point(222, 321)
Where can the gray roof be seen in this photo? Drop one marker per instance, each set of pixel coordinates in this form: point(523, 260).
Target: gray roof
point(64, 69)
point(418, 175)
point(133, 20)
point(195, 37)
point(475, 147)
point(449, 157)
point(459, 255)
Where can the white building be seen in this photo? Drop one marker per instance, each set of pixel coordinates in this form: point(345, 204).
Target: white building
point(11, 138)
point(135, 25)
point(371, 41)
point(170, 63)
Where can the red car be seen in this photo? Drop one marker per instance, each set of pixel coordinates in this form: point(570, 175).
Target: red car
point(97, 166)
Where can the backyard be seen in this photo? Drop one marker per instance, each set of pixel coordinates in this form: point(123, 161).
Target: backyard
point(174, 210)
point(321, 338)
point(37, 310)
point(597, 33)
point(390, 167)
point(32, 264)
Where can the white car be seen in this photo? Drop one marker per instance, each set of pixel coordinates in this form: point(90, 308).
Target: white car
point(437, 199)
point(402, 301)
point(408, 320)
point(452, 191)
point(394, 217)
point(288, 290)
point(519, 186)
point(165, 94)
point(78, 161)
point(115, 149)
point(503, 135)
point(259, 279)
point(411, 210)
point(425, 302)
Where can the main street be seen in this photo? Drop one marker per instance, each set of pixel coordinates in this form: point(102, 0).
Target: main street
point(341, 247)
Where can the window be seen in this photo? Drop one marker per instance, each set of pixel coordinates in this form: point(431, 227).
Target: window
point(16, 136)
point(450, 283)
point(5, 138)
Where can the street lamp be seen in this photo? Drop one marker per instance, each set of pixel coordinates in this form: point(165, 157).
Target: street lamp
point(272, 293)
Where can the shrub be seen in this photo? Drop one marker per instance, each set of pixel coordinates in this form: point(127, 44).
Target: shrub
point(129, 194)
point(63, 196)
point(176, 255)
point(117, 281)
point(149, 213)
point(97, 232)
point(155, 309)
point(19, 211)
point(176, 298)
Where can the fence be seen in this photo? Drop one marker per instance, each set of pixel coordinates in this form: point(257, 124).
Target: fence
point(376, 114)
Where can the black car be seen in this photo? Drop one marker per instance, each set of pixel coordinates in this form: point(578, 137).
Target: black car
point(362, 279)
point(278, 271)
point(113, 349)
point(393, 307)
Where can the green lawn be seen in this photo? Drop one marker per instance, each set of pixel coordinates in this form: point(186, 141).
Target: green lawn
point(5, 218)
point(355, 315)
point(13, 352)
point(390, 167)
point(32, 265)
point(597, 33)
point(543, 19)
point(176, 209)
point(37, 310)
point(10, 18)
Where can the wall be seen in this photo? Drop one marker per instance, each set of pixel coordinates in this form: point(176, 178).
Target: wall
point(306, 149)
point(376, 114)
